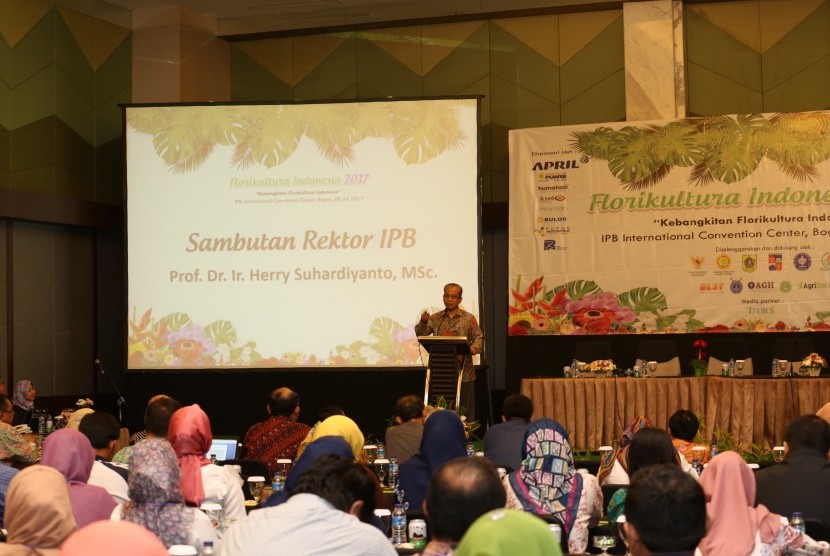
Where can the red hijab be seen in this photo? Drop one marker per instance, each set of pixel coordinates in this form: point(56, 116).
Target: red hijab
point(189, 434)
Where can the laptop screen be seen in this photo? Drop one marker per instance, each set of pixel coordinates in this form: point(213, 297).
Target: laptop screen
point(223, 448)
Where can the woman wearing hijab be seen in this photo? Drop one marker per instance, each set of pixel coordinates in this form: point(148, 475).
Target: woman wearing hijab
point(547, 483)
point(71, 453)
point(156, 501)
point(613, 469)
point(38, 513)
point(443, 440)
point(202, 481)
point(736, 526)
point(506, 532)
point(99, 539)
point(342, 426)
point(23, 400)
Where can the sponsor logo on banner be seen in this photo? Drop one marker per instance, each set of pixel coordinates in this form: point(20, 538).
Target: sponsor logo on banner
point(736, 286)
point(711, 287)
point(551, 245)
point(761, 285)
point(552, 208)
point(549, 198)
point(545, 177)
point(785, 286)
point(723, 261)
point(802, 261)
point(776, 261)
point(825, 261)
point(697, 262)
point(749, 263)
point(813, 285)
point(556, 164)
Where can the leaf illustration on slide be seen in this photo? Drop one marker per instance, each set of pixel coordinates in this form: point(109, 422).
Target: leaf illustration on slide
point(732, 153)
point(800, 141)
point(420, 133)
point(334, 132)
point(678, 144)
point(176, 321)
point(269, 138)
point(221, 332)
point(643, 299)
point(599, 143)
point(635, 159)
point(577, 289)
point(384, 330)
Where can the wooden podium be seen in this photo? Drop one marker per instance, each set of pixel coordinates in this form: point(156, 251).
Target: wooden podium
point(444, 367)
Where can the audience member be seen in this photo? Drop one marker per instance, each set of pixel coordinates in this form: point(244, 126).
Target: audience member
point(103, 430)
point(736, 526)
point(404, 439)
point(156, 420)
point(279, 436)
point(4, 389)
point(547, 483)
point(202, 481)
point(75, 418)
point(648, 447)
point(443, 440)
point(101, 538)
point(665, 512)
point(503, 442)
point(824, 412)
point(71, 453)
point(14, 449)
point(325, 412)
point(156, 501)
point(801, 482)
point(320, 517)
point(613, 469)
point(683, 426)
point(24, 401)
point(325, 446)
point(460, 492)
point(342, 426)
point(38, 513)
point(506, 532)
point(7, 473)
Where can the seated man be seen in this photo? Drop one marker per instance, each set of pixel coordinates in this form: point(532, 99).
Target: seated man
point(14, 449)
point(665, 512)
point(801, 482)
point(503, 442)
point(404, 440)
point(156, 418)
point(103, 431)
point(320, 517)
point(683, 427)
point(278, 436)
point(460, 492)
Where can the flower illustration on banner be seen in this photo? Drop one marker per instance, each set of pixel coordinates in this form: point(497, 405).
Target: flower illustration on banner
point(598, 313)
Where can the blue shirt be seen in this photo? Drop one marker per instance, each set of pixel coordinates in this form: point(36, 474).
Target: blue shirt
point(6, 475)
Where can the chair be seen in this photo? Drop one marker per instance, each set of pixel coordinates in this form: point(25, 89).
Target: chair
point(721, 350)
point(662, 351)
point(591, 351)
point(817, 529)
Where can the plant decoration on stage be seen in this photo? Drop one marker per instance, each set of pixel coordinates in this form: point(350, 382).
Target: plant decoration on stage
point(581, 307)
point(815, 361)
point(601, 366)
point(720, 148)
point(185, 137)
point(700, 364)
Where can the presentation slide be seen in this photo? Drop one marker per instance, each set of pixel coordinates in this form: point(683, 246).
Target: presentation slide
point(303, 235)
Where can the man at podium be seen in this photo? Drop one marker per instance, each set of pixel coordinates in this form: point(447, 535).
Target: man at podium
point(455, 321)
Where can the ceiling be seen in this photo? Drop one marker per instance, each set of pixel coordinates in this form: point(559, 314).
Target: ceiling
point(242, 17)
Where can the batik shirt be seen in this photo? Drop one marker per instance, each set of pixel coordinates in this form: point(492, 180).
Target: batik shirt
point(273, 439)
point(462, 324)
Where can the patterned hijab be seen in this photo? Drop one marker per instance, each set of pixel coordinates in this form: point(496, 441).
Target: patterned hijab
point(621, 453)
point(156, 501)
point(20, 397)
point(547, 482)
point(189, 434)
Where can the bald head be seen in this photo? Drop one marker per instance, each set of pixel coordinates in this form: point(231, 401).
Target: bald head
point(283, 402)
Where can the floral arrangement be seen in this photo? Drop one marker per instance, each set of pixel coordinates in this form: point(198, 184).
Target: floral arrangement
point(84, 402)
point(601, 365)
point(700, 363)
point(814, 360)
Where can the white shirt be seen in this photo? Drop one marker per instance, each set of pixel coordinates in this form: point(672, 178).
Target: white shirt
point(223, 486)
point(201, 530)
point(306, 525)
point(618, 475)
point(109, 480)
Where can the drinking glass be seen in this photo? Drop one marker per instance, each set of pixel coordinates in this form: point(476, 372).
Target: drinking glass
point(284, 466)
point(740, 364)
point(256, 484)
point(778, 454)
point(783, 367)
point(214, 512)
point(382, 469)
point(370, 453)
point(604, 542)
point(385, 517)
point(652, 368)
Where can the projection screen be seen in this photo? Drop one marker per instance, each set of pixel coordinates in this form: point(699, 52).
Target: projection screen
point(301, 235)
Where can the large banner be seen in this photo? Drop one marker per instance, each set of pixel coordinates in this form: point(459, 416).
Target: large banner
point(699, 225)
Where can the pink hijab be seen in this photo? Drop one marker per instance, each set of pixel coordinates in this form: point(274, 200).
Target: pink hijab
point(70, 452)
point(189, 434)
point(729, 486)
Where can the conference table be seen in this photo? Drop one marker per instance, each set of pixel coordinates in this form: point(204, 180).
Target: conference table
point(753, 410)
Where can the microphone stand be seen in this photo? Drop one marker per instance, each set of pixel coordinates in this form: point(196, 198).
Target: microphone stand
point(121, 402)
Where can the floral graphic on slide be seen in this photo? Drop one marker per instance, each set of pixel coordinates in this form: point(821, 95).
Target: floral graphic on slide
point(185, 136)
point(720, 148)
point(176, 341)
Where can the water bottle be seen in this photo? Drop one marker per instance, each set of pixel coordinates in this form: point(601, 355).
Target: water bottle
point(713, 449)
point(207, 549)
point(697, 466)
point(471, 449)
point(381, 451)
point(49, 425)
point(41, 424)
point(277, 482)
point(774, 371)
point(398, 525)
point(797, 523)
point(731, 367)
point(393, 472)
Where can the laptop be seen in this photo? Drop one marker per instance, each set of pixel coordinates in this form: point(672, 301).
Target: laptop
point(224, 448)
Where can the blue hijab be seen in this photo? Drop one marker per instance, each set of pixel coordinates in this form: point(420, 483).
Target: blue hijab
point(442, 441)
point(323, 446)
